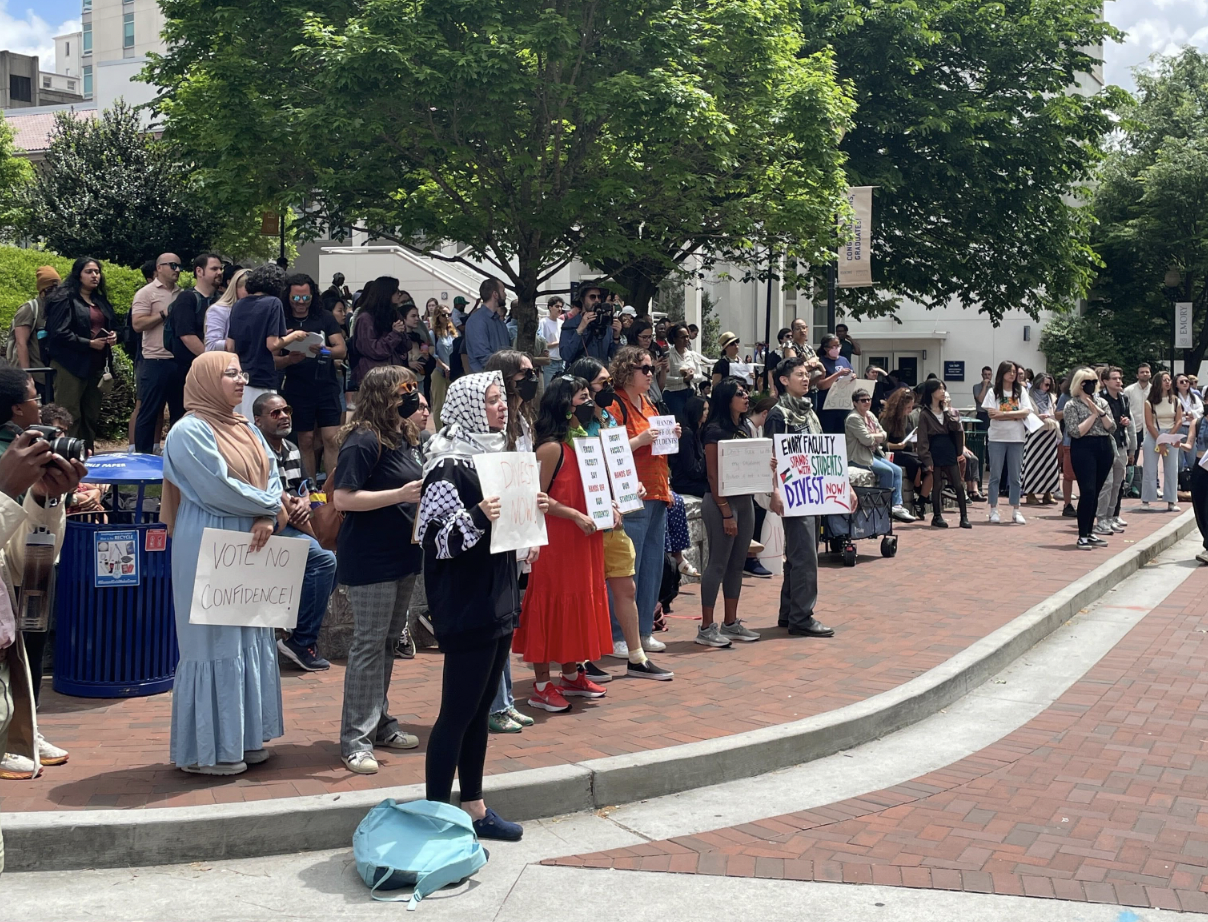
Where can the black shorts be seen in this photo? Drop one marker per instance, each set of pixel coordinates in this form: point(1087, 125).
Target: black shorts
point(311, 414)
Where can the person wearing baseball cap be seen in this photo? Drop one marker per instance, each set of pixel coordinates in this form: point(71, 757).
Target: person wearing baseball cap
point(29, 324)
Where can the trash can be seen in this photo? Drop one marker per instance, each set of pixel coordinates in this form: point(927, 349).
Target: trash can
point(116, 627)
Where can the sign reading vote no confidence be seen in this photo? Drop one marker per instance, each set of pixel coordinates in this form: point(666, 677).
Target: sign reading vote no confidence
point(515, 478)
point(241, 588)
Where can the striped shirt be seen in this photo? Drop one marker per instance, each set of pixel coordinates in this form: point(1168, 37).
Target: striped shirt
point(289, 466)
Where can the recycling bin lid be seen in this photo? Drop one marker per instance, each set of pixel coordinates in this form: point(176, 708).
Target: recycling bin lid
point(125, 467)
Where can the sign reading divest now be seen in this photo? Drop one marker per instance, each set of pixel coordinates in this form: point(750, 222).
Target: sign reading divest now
point(625, 483)
point(239, 588)
point(812, 473)
point(515, 478)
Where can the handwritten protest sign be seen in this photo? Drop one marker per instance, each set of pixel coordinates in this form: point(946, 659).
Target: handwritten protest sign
point(812, 472)
point(839, 395)
point(742, 466)
point(239, 588)
point(665, 443)
point(624, 473)
point(515, 478)
point(593, 471)
point(743, 370)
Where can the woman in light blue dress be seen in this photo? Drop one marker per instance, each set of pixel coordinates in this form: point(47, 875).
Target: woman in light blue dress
point(219, 473)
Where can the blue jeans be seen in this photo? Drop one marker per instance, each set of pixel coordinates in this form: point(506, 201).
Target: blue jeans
point(503, 695)
point(317, 586)
point(1010, 456)
point(551, 371)
point(889, 476)
point(646, 529)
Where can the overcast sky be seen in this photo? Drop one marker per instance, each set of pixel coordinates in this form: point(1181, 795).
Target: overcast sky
point(1152, 26)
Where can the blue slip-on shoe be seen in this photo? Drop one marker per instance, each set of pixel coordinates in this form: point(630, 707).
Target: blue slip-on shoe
point(493, 826)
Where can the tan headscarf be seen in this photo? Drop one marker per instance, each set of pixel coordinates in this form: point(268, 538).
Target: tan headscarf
point(243, 452)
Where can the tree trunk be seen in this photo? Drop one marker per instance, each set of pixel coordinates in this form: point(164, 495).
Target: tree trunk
point(641, 281)
point(526, 307)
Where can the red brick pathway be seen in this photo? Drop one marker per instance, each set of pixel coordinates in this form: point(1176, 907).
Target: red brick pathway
point(895, 619)
point(1101, 798)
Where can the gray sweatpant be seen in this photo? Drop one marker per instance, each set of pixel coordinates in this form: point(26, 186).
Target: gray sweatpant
point(1113, 485)
point(799, 592)
point(727, 553)
point(379, 614)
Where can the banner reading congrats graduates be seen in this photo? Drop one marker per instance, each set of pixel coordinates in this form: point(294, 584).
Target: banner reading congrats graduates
point(855, 256)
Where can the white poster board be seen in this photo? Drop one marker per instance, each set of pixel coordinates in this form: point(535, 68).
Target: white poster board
point(594, 474)
point(238, 588)
point(811, 471)
point(665, 443)
point(744, 466)
point(839, 395)
point(744, 371)
point(624, 473)
point(515, 478)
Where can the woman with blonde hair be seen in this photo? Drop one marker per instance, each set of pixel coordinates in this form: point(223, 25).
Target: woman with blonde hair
point(443, 334)
point(376, 484)
point(218, 317)
point(1089, 424)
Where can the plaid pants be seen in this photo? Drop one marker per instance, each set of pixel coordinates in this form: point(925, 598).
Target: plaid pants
point(379, 612)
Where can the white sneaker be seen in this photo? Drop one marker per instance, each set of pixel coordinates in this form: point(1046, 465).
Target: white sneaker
point(222, 768)
point(620, 650)
point(1172, 507)
point(650, 645)
point(901, 514)
point(17, 768)
point(1119, 521)
point(363, 763)
point(49, 754)
point(1202, 557)
point(1103, 528)
point(994, 515)
point(1018, 518)
point(1115, 526)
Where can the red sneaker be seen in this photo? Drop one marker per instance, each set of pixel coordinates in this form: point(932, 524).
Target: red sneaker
point(581, 687)
point(549, 700)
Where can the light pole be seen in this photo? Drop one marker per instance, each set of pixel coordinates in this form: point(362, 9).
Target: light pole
point(1172, 289)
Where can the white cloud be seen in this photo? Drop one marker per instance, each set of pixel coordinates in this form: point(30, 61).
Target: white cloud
point(31, 34)
point(1153, 27)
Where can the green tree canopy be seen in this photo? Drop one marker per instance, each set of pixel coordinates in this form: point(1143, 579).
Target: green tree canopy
point(110, 190)
point(966, 124)
point(15, 176)
point(536, 134)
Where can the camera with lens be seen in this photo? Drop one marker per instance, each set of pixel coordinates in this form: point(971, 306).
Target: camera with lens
point(604, 315)
point(64, 446)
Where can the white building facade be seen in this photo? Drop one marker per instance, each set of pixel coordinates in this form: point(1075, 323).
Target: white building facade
point(117, 34)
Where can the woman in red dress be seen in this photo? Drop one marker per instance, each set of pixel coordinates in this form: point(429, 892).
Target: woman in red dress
point(564, 618)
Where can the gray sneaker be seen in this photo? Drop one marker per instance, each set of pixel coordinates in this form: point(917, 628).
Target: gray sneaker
point(711, 637)
point(736, 631)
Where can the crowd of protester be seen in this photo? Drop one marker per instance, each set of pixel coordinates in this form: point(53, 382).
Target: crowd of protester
point(280, 396)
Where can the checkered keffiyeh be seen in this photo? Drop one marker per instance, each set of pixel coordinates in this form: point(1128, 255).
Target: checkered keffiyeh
point(466, 432)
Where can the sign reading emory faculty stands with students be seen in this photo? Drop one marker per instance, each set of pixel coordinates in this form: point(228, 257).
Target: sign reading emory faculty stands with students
point(811, 471)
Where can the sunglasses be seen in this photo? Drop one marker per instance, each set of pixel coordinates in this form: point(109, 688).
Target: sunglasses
point(237, 375)
point(175, 267)
point(645, 369)
point(281, 411)
point(406, 388)
point(300, 299)
point(863, 400)
point(530, 374)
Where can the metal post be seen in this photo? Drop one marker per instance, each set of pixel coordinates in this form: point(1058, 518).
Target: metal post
point(832, 284)
point(767, 322)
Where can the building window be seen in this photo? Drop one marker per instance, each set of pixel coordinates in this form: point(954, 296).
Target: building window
point(46, 83)
point(71, 85)
point(88, 81)
point(67, 49)
point(127, 30)
point(87, 38)
point(20, 89)
point(87, 5)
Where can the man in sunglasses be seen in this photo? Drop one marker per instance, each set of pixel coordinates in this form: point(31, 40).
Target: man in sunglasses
point(274, 419)
point(159, 378)
point(582, 335)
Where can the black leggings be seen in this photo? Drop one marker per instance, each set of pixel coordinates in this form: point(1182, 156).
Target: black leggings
point(953, 473)
point(1091, 458)
point(459, 738)
point(1199, 499)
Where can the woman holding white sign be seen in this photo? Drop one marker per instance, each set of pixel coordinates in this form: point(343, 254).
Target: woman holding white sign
point(376, 485)
point(219, 473)
point(729, 521)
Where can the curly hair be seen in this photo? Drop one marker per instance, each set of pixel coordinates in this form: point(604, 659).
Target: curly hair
point(377, 407)
point(508, 362)
point(265, 280)
point(893, 413)
point(625, 363)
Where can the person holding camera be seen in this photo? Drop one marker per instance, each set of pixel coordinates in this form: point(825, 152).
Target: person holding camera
point(589, 328)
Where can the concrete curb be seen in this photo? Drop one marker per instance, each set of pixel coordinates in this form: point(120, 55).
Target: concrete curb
point(68, 840)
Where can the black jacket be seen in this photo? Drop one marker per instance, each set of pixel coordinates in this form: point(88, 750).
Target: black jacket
point(689, 475)
point(473, 595)
point(69, 331)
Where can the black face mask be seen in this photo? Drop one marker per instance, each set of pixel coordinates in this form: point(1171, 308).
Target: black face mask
point(527, 387)
point(585, 413)
point(606, 396)
point(1088, 387)
point(409, 405)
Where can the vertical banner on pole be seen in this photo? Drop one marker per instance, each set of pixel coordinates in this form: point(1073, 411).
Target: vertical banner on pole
point(1182, 326)
point(855, 255)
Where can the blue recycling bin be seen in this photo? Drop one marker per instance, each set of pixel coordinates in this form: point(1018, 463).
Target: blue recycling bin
point(115, 621)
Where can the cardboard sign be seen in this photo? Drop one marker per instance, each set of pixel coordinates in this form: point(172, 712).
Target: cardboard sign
point(515, 478)
point(665, 443)
point(812, 474)
point(593, 471)
point(839, 395)
point(116, 558)
point(744, 466)
point(624, 473)
point(239, 588)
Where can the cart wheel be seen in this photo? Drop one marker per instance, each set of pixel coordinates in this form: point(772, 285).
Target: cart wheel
point(889, 546)
point(849, 556)
point(836, 545)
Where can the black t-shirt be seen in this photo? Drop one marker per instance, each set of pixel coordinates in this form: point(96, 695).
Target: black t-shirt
point(253, 320)
point(188, 314)
point(311, 376)
point(375, 546)
point(722, 367)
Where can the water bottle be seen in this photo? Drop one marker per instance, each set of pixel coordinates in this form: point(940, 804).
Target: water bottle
point(324, 360)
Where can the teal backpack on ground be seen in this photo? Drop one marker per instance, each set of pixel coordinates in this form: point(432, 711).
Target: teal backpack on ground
point(422, 843)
